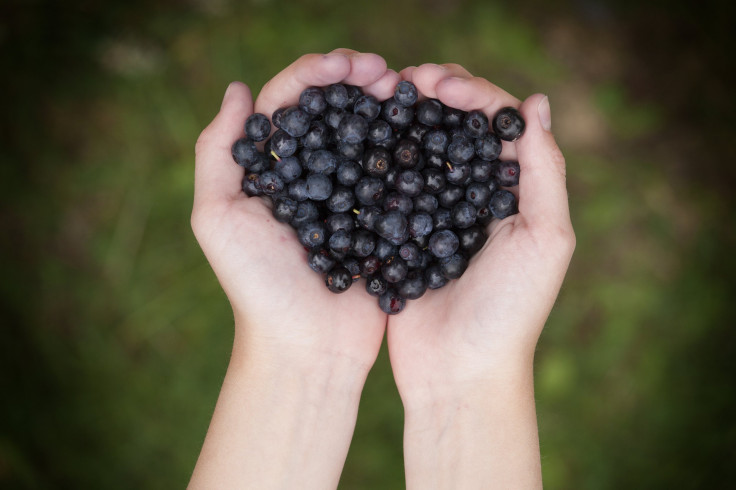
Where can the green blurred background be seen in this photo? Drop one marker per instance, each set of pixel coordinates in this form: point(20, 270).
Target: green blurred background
point(116, 335)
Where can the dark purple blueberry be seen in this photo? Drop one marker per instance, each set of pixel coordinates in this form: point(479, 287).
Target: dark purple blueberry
point(506, 173)
point(257, 127)
point(352, 265)
point(304, 155)
point(312, 234)
point(458, 173)
point(341, 241)
point(508, 124)
point(429, 112)
point(390, 178)
point(288, 168)
point(319, 187)
point(271, 183)
point(394, 269)
point(391, 302)
point(312, 101)
point(471, 239)
point(484, 216)
point(480, 170)
point(351, 151)
point(488, 147)
point(503, 204)
point(283, 144)
point(409, 251)
point(378, 130)
point(453, 266)
point(336, 95)
point(460, 150)
point(478, 194)
point(396, 201)
point(367, 216)
point(425, 203)
point(252, 185)
point(276, 117)
point(416, 132)
point(322, 162)
point(410, 183)
point(420, 224)
point(405, 93)
point(441, 219)
point(435, 278)
point(298, 190)
point(317, 137)
point(452, 118)
point(244, 152)
point(406, 153)
point(369, 190)
point(376, 161)
point(340, 221)
point(367, 106)
point(333, 116)
point(369, 265)
point(295, 121)
point(463, 214)
point(352, 129)
point(320, 261)
point(435, 161)
point(341, 200)
point(376, 285)
point(422, 242)
point(397, 115)
point(413, 286)
point(450, 195)
point(391, 225)
point(385, 249)
point(475, 124)
point(349, 172)
point(338, 280)
point(443, 243)
point(389, 143)
point(436, 141)
point(260, 164)
point(354, 93)
point(284, 209)
point(364, 242)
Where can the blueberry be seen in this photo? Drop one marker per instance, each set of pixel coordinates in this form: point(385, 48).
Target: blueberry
point(436, 141)
point(333, 116)
point(354, 93)
point(319, 187)
point(352, 129)
point(271, 183)
point(397, 115)
point(288, 168)
point(363, 243)
point(471, 239)
point(435, 160)
point(406, 153)
point(295, 121)
point(420, 224)
point(478, 194)
point(391, 302)
point(416, 132)
point(434, 180)
point(369, 265)
point(443, 243)
point(506, 173)
point(429, 112)
point(322, 162)
point(257, 127)
point(503, 204)
point(367, 216)
point(405, 93)
point(317, 137)
point(475, 124)
point(385, 249)
point(463, 214)
point(394, 269)
point(434, 276)
point(452, 118)
point(410, 183)
point(298, 190)
point(441, 219)
point(244, 152)
point(425, 203)
point(409, 251)
point(480, 170)
point(450, 195)
point(319, 260)
point(460, 150)
point(369, 190)
point(413, 286)
point(252, 185)
point(312, 101)
point(396, 201)
point(348, 173)
point(284, 209)
point(458, 173)
point(367, 106)
point(488, 147)
point(378, 130)
point(283, 144)
point(376, 161)
point(342, 199)
point(276, 117)
point(312, 234)
point(341, 241)
point(340, 221)
point(351, 151)
point(352, 265)
point(391, 225)
point(452, 267)
point(376, 285)
point(508, 124)
point(338, 280)
point(336, 95)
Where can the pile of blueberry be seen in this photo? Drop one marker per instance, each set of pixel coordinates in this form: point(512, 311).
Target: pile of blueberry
point(397, 192)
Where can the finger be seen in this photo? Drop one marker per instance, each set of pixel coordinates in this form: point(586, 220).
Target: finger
point(310, 70)
point(216, 175)
point(365, 68)
point(426, 77)
point(477, 93)
point(384, 87)
point(542, 188)
point(407, 73)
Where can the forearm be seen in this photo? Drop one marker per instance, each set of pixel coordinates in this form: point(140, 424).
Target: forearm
point(280, 426)
point(480, 435)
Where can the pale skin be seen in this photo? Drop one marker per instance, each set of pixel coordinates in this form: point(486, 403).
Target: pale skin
point(461, 356)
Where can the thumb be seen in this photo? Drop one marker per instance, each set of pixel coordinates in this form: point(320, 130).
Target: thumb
point(542, 188)
point(216, 175)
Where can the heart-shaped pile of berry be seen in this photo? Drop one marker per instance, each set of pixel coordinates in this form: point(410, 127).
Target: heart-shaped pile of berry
point(397, 192)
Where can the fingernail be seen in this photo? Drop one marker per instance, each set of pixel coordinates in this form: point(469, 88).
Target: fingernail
point(227, 94)
point(545, 115)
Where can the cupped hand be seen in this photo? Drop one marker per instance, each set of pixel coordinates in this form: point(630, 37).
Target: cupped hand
point(487, 322)
point(282, 308)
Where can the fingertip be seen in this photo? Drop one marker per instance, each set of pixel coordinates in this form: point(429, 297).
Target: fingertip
point(235, 91)
point(407, 73)
point(384, 87)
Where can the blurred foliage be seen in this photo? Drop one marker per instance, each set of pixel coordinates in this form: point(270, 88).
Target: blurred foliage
point(116, 334)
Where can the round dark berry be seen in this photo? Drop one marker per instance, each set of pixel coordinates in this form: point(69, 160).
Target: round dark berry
point(376, 161)
point(288, 168)
point(341, 241)
point(413, 286)
point(376, 285)
point(338, 280)
point(508, 124)
point(352, 129)
point(336, 95)
point(471, 239)
point(503, 204)
point(257, 127)
point(348, 172)
point(391, 302)
point(244, 152)
point(367, 106)
point(284, 209)
point(434, 276)
point(369, 190)
point(319, 260)
point(319, 187)
point(405, 93)
point(420, 224)
point(295, 121)
point(312, 101)
point(398, 116)
point(506, 173)
point(378, 130)
point(488, 147)
point(478, 194)
point(342, 199)
point(312, 234)
point(475, 124)
point(443, 243)
point(317, 137)
point(394, 269)
point(322, 162)
point(429, 112)
point(453, 266)
point(283, 144)
point(271, 183)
